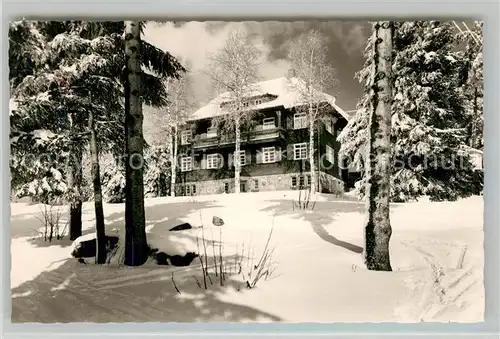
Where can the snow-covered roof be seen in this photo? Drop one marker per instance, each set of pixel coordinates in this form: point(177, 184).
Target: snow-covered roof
point(286, 92)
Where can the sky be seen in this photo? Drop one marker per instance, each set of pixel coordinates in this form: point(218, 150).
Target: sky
point(193, 42)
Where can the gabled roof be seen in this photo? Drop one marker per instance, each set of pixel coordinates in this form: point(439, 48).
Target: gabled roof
point(283, 88)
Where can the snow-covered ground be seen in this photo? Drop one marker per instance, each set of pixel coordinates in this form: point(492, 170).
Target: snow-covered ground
point(318, 273)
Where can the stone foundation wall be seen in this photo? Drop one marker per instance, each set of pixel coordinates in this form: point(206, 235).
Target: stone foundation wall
point(274, 182)
point(330, 184)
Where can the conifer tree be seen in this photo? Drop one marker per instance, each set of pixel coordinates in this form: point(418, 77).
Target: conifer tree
point(75, 72)
point(428, 115)
point(473, 38)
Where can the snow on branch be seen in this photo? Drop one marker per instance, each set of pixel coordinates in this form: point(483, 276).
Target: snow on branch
point(450, 130)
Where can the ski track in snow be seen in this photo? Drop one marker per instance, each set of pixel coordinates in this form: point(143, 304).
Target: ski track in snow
point(437, 263)
point(443, 284)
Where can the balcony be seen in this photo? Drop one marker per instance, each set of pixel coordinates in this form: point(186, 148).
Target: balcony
point(259, 134)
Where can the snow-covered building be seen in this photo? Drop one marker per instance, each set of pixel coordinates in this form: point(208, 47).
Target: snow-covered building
point(274, 144)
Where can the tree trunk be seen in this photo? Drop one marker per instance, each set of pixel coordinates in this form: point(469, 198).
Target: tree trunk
point(174, 160)
point(237, 161)
point(74, 180)
point(378, 228)
point(136, 248)
point(311, 128)
point(96, 178)
point(75, 200)
point(311, 153)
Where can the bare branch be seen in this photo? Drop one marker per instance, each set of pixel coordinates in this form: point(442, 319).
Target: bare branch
point(233, 72)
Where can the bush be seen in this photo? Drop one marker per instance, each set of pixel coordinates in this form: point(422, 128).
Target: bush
point(52, 224)
point(240, 264)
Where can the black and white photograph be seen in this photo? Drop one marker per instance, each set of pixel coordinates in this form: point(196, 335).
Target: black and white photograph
point(246, 171)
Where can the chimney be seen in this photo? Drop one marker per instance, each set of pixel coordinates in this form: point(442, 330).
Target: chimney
point(291, 73)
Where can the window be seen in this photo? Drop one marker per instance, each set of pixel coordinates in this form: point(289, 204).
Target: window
point(330, 154)
point(186, 164)
point(185, 137)
point(300, 151)
point(241, 157)
point(258, 102)
point(245, 104)
point(302, 181)
point(213, 161)
point(226, 187)
point(186, 190)
point(257, 184)
point(329, 126)
point(299, 120)
point(268, 123)
point(269, 155)
point(212, 132)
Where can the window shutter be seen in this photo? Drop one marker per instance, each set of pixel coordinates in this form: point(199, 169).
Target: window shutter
point(289, 122)
point(248, 156)
point(278, 153)
point(258, 157)
point(230, 160)
point(289, 151)
point(307, 150)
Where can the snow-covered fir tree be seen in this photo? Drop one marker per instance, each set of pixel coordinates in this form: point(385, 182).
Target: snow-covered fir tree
point(157, 172)
point(113, 179)
point(61, 72)
point(74, 77)
point(474, 87)
point(429, 112)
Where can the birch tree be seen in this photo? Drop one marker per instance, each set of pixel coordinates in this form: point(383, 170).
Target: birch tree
point(178, 109)
point(234, 71)
point(312, 75)
point(378, 231)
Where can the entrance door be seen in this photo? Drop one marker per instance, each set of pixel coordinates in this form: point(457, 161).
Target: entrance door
point(243, 186)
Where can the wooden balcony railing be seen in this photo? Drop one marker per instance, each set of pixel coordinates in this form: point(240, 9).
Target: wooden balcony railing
point(257, 134)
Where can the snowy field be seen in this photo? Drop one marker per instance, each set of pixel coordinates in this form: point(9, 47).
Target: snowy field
point(315, 272)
